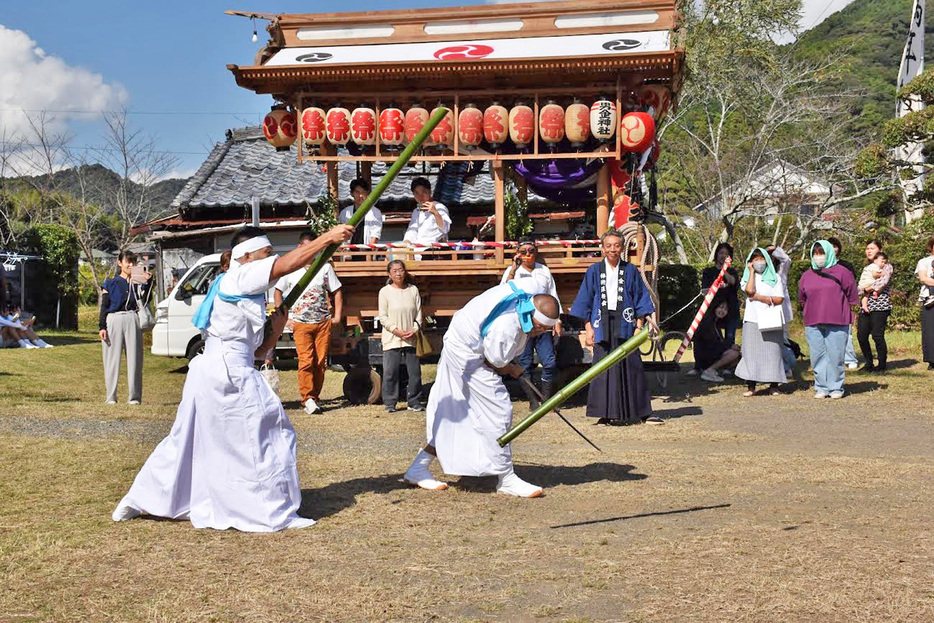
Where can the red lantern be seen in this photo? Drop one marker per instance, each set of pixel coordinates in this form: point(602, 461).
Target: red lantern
point(521, 125)
point(415, 119)
point(280, 128)
point(603, 119)
point(551, 123)
point(637, 131)
point(495, 125)
point(470, 126)
point(314, 130)
point(338, 126)
point(657, 98)
point(577, 123)
point(363, 126)
point(391, 127)
point(443, 134)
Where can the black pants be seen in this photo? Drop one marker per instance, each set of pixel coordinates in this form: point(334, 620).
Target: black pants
point(392, 361)
point(873, 324)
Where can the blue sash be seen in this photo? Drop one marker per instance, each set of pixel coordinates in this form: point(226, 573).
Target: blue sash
point(202, 317)
point(521, 301)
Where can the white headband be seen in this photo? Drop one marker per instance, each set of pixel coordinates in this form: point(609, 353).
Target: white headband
point(545, 320)
point(249, 246)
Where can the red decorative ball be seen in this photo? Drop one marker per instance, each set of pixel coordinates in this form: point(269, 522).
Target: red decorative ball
point(637, 131)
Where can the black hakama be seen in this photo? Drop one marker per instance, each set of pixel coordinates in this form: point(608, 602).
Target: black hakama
point(621, 394)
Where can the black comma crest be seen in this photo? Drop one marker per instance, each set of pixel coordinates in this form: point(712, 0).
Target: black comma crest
point(621, 45)
point(314, 57)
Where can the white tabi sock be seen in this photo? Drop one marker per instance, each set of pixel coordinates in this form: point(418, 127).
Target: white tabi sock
point(510, 484)
point(420, 475)
point(124, 512)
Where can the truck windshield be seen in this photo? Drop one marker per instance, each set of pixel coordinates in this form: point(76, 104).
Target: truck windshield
point(199, 280)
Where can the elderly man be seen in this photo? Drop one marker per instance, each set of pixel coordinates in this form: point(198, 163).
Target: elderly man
point(469, 405)
point(229, 460)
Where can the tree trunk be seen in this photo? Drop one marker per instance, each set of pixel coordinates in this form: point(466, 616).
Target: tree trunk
point(673, 232)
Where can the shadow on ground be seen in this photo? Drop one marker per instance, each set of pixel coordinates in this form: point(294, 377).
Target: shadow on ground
point(552, 476)
point(335, 497)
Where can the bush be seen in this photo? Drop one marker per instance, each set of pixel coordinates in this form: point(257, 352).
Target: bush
point(87, 291)
point(677, 285)
point(55, 282)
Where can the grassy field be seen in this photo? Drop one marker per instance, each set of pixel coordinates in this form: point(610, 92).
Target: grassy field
point(764, 509)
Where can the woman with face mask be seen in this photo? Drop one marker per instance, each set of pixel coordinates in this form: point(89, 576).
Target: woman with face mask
point(761, 360)
point(827, 293)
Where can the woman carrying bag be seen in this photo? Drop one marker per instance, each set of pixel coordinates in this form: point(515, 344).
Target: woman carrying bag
point(827, 292)
point(763, 321)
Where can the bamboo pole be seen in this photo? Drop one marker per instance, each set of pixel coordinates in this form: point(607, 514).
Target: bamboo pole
point(612, 358)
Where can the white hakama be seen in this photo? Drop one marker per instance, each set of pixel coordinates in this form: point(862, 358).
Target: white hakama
point(229, 460)
point(469, 405)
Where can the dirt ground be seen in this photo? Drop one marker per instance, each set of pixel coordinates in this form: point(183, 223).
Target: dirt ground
point(765, 509)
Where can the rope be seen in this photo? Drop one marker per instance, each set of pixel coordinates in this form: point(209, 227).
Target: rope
point(650, 256)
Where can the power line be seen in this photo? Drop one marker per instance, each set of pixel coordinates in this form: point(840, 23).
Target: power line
point(131, 112)
point(816, 21)
point(108, 149)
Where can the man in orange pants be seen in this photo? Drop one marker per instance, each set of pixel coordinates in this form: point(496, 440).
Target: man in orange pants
point(311, 320)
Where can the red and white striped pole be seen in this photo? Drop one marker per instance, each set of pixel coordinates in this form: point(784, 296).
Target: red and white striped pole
point(703, 309)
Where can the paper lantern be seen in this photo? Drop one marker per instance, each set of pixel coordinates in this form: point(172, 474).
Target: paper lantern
point(314, 130)
point(363, 126)
point(338, 126)
point(551, 123)
point(280, 128)
point(443, 134)
point(470, 126)
point(521, 125)
point(391, 127)
point(415, 119)
point(603, 119)
point(637, 131)
point(577, 123)
point(657, 98)
point(495, 125)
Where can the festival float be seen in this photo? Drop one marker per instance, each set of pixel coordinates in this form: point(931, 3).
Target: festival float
point(559, 98)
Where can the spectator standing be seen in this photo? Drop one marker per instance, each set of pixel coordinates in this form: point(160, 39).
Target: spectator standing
point(924, 271)
point(431, 221)
point(872, 318)
point(849, 356)
point(526, 266)
point(761, 360)
point(372, 229)
point(827, 291)
point(400, 314)
point(119, 326)
point(311, 319)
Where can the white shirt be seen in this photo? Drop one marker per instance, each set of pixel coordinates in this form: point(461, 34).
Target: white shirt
point(924, 267)
point(540, 272)
point(612, 284)
point(423, 226)
point(372, 222)
point(243, 321)
point(763, 289)
point(784, 266)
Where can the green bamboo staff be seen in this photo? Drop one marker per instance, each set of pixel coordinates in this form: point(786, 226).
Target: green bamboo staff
point(612, 358)
point(360, 213)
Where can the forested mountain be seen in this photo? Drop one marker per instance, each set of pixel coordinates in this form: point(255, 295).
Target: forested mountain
point(865, 41)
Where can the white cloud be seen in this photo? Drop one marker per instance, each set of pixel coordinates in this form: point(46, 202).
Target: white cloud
point(32, 80)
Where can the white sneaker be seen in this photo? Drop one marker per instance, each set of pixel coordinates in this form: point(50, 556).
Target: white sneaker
point(111, 402)
point(837, 394)
point(852, 366)
point(42, 343)
point(510, 484)
point(420, 476)
point(692, 372)
point(133, 402)
point(311, 407)
point(710, 375)
point(819, 395)
point(27, 344)
point(124, 512)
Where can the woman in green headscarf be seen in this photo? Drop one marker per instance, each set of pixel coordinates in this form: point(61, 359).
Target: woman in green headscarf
point(761, 360)
point(827, 292)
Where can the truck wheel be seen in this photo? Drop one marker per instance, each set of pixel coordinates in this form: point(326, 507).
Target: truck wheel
point(362, 386)
point(195, 349)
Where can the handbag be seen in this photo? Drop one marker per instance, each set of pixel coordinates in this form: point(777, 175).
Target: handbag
point(770, 318)
point(272, 377)
point(147, 319)
point(422, 343)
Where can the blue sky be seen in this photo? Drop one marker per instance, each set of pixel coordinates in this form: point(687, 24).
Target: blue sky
point(156, 57)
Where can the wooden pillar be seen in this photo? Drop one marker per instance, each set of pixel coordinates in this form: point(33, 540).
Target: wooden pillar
point(366, 171)
point(332, 181)
point(500, 206)
point(604, 199)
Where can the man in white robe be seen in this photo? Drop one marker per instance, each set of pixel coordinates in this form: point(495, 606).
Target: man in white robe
point(229, 460)
point(469, 406)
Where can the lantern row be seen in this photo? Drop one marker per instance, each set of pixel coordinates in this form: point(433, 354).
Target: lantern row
point(496, 124)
